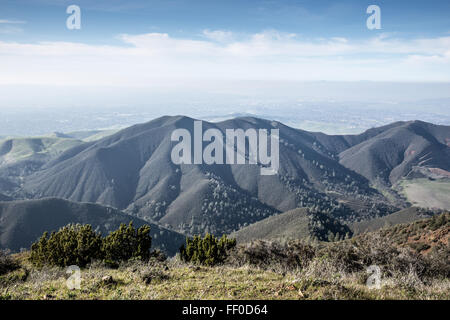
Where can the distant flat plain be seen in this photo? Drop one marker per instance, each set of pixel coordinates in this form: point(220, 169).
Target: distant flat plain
point(427, 193)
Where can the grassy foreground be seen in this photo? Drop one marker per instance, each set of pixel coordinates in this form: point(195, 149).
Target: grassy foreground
point(174, 280)
point(412, 260)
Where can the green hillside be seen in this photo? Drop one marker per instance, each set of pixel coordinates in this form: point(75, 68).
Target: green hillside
point(300, 223)
point(403, 216)
point(289, 225)
point(17, 149)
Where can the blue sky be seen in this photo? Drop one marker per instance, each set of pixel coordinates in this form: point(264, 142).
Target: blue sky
point(174, 43)
point(103, 19)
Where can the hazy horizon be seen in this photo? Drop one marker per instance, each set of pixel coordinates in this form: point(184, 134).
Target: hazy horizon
point(314, 65)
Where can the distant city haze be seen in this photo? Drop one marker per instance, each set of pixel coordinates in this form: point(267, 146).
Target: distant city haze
point(314, 65)
point(330, 107)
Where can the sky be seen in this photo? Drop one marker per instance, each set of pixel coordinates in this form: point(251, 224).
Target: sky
point(179, 44)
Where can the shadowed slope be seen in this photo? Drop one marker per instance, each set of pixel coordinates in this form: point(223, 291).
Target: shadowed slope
point(391, 155)
point(22, 222)
point(132, 170)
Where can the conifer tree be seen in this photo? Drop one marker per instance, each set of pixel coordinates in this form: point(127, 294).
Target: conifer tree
point(207, 251)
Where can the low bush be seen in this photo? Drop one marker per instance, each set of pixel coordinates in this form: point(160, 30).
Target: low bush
point(350, 256)
point(127, 242)
point(439, 265)
point(207, 251)
point(359, 253)
point(270, 254)
point(73, 244)
point(79, 245)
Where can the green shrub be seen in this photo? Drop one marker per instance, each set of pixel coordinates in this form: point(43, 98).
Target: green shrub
point(439, 221)
point(73, 244)
point(127, 242)
point(79, 245)
point(208, 251)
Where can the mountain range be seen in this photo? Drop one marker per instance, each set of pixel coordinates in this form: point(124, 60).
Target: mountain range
point(349, 178)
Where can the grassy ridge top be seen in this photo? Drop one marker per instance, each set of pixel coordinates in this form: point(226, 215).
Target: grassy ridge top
point(16, 149)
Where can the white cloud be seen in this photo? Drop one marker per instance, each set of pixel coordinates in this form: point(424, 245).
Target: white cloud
point(218, 35)
point(10, 30)
point(154, 58)
point(7, 21)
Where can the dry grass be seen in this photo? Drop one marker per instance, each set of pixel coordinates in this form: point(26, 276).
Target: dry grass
point(173, 279)
point(263, 270)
